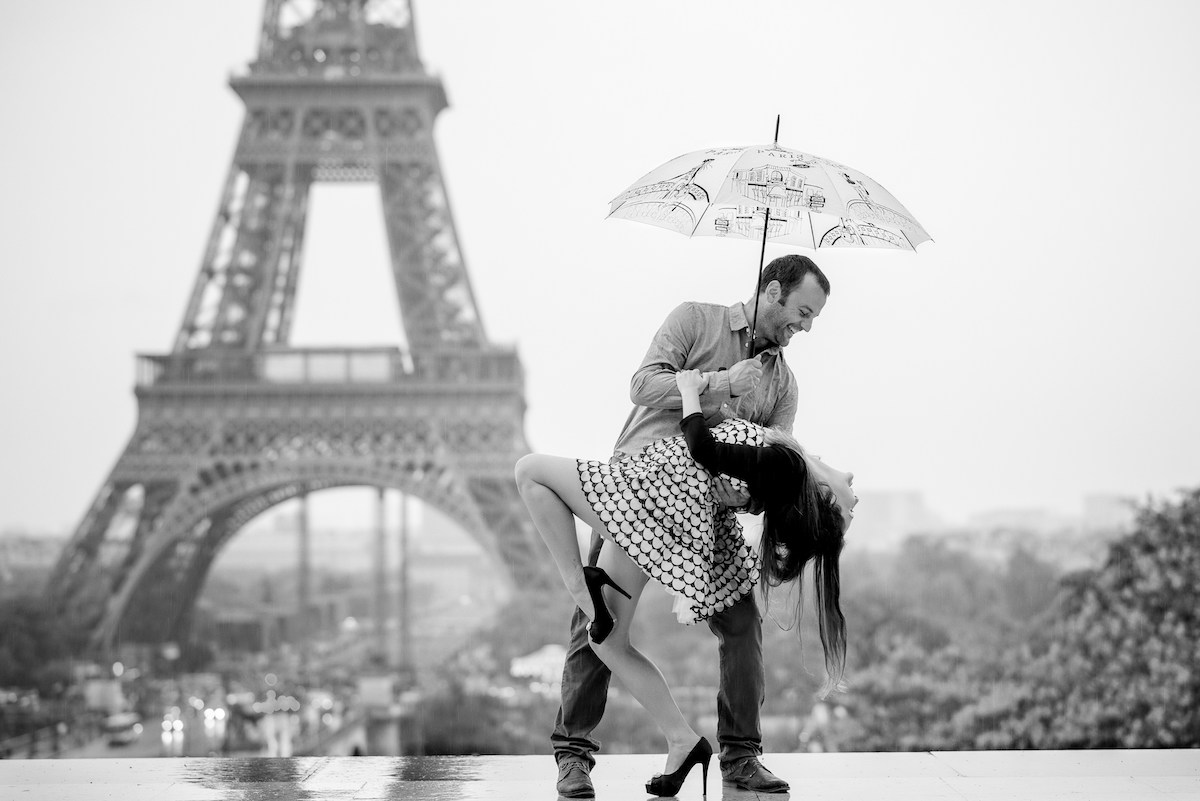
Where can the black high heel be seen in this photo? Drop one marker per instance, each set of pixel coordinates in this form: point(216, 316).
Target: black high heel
point(602, 624)
point(669, 784)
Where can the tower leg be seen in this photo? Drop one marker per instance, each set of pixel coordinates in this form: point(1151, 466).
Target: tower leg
point(403, 634)
point(305, 584)
point(381, 604)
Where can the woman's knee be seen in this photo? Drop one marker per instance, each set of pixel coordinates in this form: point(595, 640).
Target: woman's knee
point(527, 471)
point(613, 648)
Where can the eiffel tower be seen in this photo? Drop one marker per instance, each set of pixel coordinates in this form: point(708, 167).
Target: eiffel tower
point(234, 421)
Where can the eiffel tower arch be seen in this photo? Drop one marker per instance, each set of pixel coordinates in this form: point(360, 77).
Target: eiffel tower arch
point(234, 421)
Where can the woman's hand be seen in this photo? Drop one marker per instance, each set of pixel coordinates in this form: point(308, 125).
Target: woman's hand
point(691, 382)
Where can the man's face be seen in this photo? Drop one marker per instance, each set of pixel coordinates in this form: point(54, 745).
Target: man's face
point(797, 313)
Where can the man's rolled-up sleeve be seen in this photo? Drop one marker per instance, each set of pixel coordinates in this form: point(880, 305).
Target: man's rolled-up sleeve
point(654, 384)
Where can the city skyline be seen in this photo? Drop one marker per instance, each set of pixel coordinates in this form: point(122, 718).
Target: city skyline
point(1017, 361)
point(886, 519)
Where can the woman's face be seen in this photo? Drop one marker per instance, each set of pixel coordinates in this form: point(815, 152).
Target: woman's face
point(841, 485)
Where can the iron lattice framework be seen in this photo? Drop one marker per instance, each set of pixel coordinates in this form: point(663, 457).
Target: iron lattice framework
point(234, 421)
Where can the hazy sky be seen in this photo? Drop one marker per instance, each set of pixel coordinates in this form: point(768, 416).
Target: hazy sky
point(1042, 347)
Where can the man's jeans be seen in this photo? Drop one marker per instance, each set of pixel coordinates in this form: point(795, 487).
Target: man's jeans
point(739, 699)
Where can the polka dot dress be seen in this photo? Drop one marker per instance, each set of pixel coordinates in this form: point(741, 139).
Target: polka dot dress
point(659, 507)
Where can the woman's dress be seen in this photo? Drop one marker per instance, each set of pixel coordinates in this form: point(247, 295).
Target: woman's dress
point(659, 507)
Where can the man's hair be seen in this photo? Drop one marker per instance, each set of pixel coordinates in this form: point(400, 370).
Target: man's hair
point(790, 270)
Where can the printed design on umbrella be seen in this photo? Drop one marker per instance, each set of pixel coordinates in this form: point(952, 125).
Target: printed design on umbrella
point(868, 210)
point(784, 190)
point(769, 193)
point(851, 233)
point(666, 202)
point(716, 152)
point(793, 157)
point(830, 163)
point(746, 222)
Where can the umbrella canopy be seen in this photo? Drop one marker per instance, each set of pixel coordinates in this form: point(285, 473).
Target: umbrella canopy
point(802, 199)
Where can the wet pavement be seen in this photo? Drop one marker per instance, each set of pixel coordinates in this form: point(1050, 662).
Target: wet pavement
point(1119, 775)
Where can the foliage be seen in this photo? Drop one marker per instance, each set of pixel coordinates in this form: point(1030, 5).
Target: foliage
point(1117, 666)
point(909, 701)
point(33, 647)
point(925, 630)
point(954, 655)
point(473, 708)
point(457, 721)
point(528, 621)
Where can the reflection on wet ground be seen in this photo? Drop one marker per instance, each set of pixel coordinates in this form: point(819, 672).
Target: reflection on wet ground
point(948, 776)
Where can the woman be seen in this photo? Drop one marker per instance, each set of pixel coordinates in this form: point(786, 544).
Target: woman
point(659, 508)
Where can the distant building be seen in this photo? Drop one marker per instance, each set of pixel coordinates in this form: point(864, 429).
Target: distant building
point(1068, 548)
point(26, 561)
point(883, 520)
point(1042, 521)
point(270, 543)
point(1108, 512)
point(1069, 542)
point(246, 632)
point(543, 668)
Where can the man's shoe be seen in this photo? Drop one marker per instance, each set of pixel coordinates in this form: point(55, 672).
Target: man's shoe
point(749, 774)
point(574, 780)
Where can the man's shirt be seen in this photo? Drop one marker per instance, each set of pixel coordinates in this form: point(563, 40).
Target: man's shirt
point(709, 338)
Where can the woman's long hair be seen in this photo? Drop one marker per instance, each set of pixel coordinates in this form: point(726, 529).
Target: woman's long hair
point(812, 531)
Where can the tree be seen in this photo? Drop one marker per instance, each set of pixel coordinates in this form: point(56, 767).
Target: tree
point(1118, 663)
point(33, 645)
point(928, 631)
point(1030, 585)
point(909, 701)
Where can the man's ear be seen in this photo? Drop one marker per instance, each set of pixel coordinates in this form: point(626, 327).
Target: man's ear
point(773, 290)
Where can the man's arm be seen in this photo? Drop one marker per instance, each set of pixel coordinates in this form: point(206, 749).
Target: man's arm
point(738, 500)
point(654, 385)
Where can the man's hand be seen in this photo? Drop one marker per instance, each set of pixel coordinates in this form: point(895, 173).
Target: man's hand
point(744, 376)
point(726, 495)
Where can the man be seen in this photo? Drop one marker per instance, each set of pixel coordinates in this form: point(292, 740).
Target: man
point(752, 383)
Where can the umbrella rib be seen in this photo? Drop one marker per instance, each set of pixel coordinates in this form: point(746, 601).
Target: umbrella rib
point(707, 205)
point(811, 232)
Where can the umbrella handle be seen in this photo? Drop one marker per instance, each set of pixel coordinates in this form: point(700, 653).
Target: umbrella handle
point(762, 254)
point(761, 257)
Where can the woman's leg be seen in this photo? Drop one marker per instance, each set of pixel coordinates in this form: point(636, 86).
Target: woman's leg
point(549, 485)
point(639, 675)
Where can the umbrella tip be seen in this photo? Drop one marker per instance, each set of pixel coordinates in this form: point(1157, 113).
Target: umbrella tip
point(776, 130)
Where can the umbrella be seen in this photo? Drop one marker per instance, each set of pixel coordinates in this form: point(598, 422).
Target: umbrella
point(768, 192)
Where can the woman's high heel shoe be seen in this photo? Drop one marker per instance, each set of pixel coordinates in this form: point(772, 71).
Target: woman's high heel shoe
point(669, 783)
point(602, 624)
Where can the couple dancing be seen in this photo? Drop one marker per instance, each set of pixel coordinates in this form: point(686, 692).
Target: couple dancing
point(667, 503)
